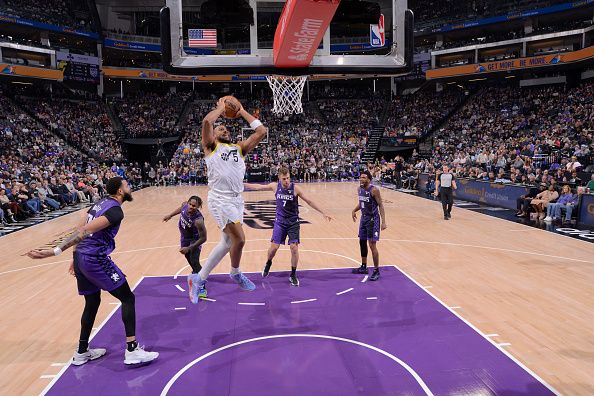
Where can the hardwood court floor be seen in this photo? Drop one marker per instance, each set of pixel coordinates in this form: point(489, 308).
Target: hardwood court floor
point(523, 286)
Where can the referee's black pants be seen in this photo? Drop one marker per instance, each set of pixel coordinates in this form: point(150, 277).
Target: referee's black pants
point(447, 200)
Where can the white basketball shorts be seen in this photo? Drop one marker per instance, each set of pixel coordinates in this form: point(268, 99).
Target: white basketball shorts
point(225, 209)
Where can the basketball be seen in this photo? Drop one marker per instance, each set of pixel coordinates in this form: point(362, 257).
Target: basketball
point(232, 107)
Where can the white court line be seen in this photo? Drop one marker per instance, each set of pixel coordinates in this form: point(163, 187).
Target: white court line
point(503, 344)
point(426, 287)
point(506, 353)
point(258, 303)
point(180, 308)
point(286, 249)
point(455, 307)
point(57, 376)
point(114, 303)
point(34, 266)
point(365, 279)
point(400, 362)
point(491, 335)
point(58, 364)
point(344, 291)
point(372, 298)
point(48, 376)
point(208, 299)
point(180, 288)
point(304, 301)
point(343, 239)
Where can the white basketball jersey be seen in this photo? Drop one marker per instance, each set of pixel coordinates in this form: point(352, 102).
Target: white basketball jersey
point(226, 169)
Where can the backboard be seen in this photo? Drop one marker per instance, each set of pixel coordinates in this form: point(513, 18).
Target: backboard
point(247, 132)
point(363, 38)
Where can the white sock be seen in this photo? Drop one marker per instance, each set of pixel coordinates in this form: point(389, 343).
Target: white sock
point(215, 256)
point(234, 271)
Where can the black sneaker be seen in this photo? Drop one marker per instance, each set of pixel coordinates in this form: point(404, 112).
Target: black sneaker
point(266, 270)
point(449, 215)
point(445, 217)
point(375, 276)
point(361, 270)
point(293, 280)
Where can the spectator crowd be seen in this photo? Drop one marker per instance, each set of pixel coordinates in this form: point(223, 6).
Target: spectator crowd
point(58, 152)
point(149, 114)
point(53, 12)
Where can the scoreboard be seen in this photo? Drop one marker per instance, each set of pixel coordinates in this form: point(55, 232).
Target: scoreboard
point(80, 68)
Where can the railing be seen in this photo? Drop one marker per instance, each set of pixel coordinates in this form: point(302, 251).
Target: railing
point(542, 160)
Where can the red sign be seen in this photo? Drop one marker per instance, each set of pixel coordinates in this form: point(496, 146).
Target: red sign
point(300, 30)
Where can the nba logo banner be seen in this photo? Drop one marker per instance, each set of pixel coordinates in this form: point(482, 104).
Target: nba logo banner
point(377, 35)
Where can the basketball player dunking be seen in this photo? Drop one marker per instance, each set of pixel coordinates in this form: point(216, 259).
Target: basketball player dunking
point(226, 170)
point(372, 209)
point(192, 235)
point(287, 218)
point(94, 271)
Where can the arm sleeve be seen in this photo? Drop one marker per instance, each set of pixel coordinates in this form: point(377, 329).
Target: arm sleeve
point(114, 215)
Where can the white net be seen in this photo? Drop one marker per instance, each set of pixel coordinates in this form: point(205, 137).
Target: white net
point(287, 92)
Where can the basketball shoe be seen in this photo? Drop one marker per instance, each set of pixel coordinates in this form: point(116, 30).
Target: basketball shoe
point(91, 354)
point(243, 281)
point(139, 355)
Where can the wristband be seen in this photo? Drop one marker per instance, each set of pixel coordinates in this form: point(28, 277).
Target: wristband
point(57, 251)
point(255, 124)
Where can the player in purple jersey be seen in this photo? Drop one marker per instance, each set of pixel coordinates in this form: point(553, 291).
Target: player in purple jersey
point(287, 218)
point(94, 271)
point(192, 235)
point(372, 209)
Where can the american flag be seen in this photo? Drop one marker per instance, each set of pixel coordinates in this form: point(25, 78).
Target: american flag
point(202, 37)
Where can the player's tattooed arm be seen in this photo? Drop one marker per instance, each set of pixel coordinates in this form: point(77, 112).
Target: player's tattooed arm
point(259, 187)
point(78, 235)
point(174, 213)
point(375, 193)
point(208, 139)
point(74, 238)
point(299, 192)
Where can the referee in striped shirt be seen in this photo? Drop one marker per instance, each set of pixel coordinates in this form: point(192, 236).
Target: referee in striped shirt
point(444, 183)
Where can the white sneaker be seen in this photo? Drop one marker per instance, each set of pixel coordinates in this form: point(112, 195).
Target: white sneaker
point(548, 219)
point(91, 354)
point(139, 355)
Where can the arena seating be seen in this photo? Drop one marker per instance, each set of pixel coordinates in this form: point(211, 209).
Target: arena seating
point(54, 12)
point(418, 114)
point(84, 124)
point(150, 114)
point(502, 133)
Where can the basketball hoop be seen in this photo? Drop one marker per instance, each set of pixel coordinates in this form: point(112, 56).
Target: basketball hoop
point(287, 92)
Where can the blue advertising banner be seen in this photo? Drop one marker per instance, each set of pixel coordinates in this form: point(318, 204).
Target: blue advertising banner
point(127, 45)
point(135, 46)
point(515, 15)
point(5, 18)
point(358, 47)
point(495, 194)
point(503, 195)
point(148, 47)
point(586, 214)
